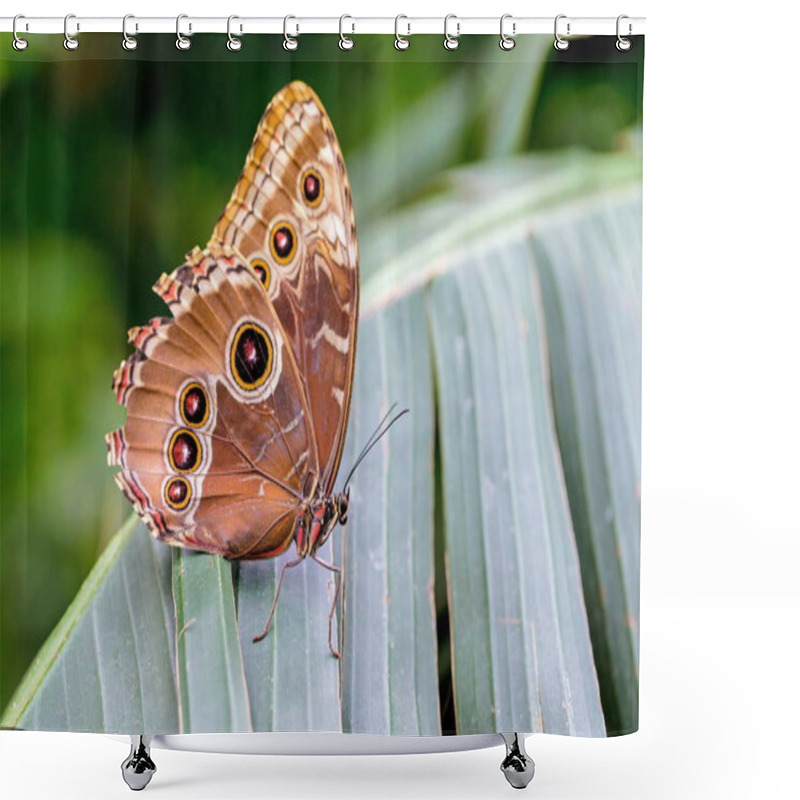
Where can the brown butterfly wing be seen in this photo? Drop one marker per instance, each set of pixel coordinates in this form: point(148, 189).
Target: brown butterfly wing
point(291, 218)
point(215, 449)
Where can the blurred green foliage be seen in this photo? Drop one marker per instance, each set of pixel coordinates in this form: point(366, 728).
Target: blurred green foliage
point(115, 164)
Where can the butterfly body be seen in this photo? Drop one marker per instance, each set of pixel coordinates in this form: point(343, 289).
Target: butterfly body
point(318, 519)
point(237, 404)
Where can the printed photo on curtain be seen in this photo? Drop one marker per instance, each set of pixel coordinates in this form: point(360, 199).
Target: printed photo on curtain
point(371, 320)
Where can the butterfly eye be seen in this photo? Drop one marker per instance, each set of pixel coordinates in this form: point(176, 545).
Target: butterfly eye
point(283, 242)
point(261, 269)
point(194, 405)
point(343, 503)
point(311, 184)
point(184, 451)
point(177, 493)
point(251, 356)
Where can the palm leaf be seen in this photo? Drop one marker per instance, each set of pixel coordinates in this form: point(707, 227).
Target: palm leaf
point(107, 666)
point(457, 324)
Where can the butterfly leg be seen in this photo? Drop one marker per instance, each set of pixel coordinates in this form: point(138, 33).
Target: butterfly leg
point(518, 766)
point(337, 571)
point(287, 565)
point(138, 767)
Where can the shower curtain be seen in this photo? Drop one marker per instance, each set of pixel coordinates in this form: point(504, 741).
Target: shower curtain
point(371, 458)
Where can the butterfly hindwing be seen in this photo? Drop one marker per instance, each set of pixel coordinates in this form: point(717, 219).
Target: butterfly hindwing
point(215, 448)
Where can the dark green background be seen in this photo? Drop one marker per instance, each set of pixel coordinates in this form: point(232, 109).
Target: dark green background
point(115, 164)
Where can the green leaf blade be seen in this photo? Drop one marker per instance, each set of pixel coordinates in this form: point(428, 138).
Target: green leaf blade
point(213, 690)
point(292, 678)
point(390, 637)
point(521, 653)
point(591, 280)
point(468, 590)
point(409, 540)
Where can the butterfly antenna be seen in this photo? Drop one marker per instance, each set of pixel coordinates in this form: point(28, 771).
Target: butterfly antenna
point(378, 434)
point(372, 438)
point(377, 430)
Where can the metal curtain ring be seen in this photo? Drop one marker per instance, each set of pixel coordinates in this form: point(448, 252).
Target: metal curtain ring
point(560, 43)
point(234, 44)
point(18, 43)
point(288, 42)
point(506, 42)
point(182, 42)
point(451, 42)
point(70, 42)
point(128, 42)
point(400, 42)
point(345, 42)
point(623, 44)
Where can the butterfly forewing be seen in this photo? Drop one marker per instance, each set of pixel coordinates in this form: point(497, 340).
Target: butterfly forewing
point(291, 218)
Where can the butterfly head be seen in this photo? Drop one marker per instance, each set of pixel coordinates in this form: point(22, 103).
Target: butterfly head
point(326, 513)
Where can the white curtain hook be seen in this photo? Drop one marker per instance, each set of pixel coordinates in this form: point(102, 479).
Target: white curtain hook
point(345, 42)
point(182, 42)
point(288, 42)
point(622, 43)
point(560, 43)
point(401, 42)
point(451, 42)
point(234, 44)
point(70, 42)
point(18, 43)
point(128, 42)
point(507, 42)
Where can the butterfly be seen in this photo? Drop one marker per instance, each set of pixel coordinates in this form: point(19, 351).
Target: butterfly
point(237, 404)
